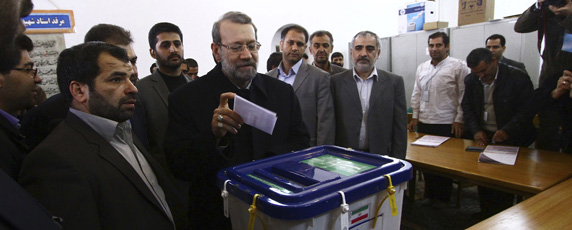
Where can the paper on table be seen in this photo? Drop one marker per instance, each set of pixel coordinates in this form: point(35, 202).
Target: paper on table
point(255, 115)
point(430, 141)
point(499, 155)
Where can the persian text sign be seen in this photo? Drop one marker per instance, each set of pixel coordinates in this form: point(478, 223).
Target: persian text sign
point(49, 21)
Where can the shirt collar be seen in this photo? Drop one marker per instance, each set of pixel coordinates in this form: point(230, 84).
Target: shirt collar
point(372, 75)
point(294, 68)
point(12, 119)
point(103, 126)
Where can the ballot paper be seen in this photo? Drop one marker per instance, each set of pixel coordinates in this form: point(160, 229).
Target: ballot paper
point(499, 155)
point(430, 141)
point(255, 115)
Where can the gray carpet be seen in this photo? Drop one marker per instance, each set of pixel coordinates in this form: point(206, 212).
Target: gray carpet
point(415, 216)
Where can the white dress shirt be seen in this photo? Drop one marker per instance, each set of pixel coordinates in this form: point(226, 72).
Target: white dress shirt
point(364, 90)
point(438, 91)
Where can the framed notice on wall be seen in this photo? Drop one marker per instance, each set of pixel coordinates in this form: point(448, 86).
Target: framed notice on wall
point(49, 21)
point(47, 49)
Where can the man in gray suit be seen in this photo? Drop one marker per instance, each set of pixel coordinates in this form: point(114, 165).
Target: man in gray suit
point(166, 46)
point(496, 44)
point(321, 45)
point(310, 83)
point(370, 103)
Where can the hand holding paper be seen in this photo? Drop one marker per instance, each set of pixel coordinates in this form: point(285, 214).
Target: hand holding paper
point(255, 115)
point(224, 119)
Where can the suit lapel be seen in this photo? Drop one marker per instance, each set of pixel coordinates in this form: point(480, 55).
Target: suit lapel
point(301, 76)
point(160, 87)
point(110, 154)
point(350, 90)
point(377, 89)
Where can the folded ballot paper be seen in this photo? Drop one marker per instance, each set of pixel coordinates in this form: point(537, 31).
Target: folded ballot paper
point(430, 141)
point(499, 155)
point(255, 115)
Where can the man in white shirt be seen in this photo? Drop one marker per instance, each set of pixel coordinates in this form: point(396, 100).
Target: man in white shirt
point(436, 105)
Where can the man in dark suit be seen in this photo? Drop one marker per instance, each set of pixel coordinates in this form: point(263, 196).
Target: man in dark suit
point(104, 179)
point(370, 103)
point(18, 210)
point(200, 142)
point(321, 45)
point(496, 44)
point(17, 91)
point(494, 108)
point(166, 46)
point(39, 122)
point(311, 85)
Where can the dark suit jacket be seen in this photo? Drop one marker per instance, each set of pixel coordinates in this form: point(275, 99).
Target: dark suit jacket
point(39, 122)
point(13, 148)
point(19, 210)
point(312, 87)
point(154, 95)
point(387, 118)
point(77, 175)
point(511, 94)
point(190, 144)
point(514, 63)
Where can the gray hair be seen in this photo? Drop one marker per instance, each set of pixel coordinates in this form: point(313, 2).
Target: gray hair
point(233, 16)
point(366, 33)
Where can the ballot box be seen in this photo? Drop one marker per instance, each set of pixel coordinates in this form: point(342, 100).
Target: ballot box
point(325, 187)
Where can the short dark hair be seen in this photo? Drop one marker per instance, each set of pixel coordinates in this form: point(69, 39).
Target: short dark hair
point(321, 33)
point(162, 27)
point(477, 55)
point(305, 56)
point(235, 17)
point(154, 65)
point(366, 33)
point(496, 36)
point(109, 33)
point(191, 62)
point(442, 35)
point(23, 42)
point(274, 60)
point(337, 54)
point(80, 63)
point(295, 27)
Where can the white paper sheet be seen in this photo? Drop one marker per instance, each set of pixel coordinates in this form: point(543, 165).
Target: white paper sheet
point(255, 115)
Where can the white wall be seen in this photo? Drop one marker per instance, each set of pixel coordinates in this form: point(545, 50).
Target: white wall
point(195, 18)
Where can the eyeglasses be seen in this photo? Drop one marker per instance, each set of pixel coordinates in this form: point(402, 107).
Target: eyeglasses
point(236, 49)
point(31, 72)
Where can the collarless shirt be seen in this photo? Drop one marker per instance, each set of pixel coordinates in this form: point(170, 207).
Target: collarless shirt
point(438, 91)
point(120, 136)
point(489, 116)
point(291, 76)
point(364, 90)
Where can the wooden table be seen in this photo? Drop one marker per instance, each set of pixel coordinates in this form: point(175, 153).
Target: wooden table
point(548, 210)
point(533, 172)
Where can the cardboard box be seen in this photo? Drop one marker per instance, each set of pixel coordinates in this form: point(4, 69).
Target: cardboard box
point(414, 15)
point(475, 11)
point(435, 25)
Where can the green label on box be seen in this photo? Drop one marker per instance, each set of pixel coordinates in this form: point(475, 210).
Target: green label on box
point(275, 187)
point(338, 165)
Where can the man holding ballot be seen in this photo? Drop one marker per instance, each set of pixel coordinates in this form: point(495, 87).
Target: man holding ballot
point(206, 135)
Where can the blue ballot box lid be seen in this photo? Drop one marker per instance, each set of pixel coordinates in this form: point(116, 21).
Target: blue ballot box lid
point(304, 184)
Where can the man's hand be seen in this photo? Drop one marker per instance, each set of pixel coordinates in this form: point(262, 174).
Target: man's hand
point(412, 125)
point(224, 119)
point(565, 10)
point(457, 129)
point(563, 85)
point(500, 136)
point(481, 138)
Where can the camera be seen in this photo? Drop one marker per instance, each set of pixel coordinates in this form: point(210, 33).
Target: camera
point(556, 3)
